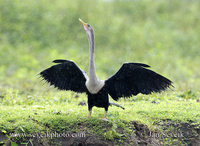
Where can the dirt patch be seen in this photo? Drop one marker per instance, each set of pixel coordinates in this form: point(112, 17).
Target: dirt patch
point(167, 133)
point(89, 140)
point(186, 133)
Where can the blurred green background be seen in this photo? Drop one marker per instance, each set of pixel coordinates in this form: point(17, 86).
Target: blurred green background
point(164, 34)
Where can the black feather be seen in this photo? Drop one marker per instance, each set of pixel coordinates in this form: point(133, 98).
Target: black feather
point(133, 78)
point(61, 61)
point(65, 76)
point(140, 64)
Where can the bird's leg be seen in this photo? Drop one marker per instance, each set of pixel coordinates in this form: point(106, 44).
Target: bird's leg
point(105, 116)
point(89, 113)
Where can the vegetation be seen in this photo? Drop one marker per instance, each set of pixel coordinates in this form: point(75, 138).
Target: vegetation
point(163, 34)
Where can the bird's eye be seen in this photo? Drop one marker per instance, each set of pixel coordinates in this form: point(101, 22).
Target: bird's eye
point(88, 25)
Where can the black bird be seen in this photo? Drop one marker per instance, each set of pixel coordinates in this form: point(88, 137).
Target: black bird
point(131, 79)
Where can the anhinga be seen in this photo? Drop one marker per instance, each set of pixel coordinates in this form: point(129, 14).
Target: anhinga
point(131, 79)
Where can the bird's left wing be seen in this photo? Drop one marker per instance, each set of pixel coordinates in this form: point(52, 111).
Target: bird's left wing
point(134, 78)
point(66, 75)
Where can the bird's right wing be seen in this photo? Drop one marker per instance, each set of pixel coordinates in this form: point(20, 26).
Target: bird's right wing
point(134, 78)
point(66, 75)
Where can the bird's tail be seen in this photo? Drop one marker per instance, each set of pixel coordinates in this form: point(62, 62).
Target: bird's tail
point(112, 103)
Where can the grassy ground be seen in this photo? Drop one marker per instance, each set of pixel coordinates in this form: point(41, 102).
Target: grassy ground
point(61, 112)
point(163, 34)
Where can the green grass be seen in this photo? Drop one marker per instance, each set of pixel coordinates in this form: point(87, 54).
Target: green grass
point(35, 33)
point(163, 34)
point(27, 112)
point(61, 113)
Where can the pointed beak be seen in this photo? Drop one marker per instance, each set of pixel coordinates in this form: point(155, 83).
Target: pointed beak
point(84, 24)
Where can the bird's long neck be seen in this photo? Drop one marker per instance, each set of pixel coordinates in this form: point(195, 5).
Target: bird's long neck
point(92, 70)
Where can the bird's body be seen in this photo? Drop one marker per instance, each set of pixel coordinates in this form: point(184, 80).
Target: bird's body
point(99, 99)
point(131, 79)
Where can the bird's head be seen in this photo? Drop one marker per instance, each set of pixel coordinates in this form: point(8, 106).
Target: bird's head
point(87, 28)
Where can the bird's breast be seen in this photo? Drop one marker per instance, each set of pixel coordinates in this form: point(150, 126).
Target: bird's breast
point(94, 86)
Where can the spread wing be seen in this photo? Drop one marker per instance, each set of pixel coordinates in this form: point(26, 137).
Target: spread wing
point(66, 75)
point(134, 78)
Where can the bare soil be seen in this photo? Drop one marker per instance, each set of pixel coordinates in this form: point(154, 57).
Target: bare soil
point(168, 133)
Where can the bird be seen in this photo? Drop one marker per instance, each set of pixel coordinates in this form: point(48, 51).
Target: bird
point(130, 80)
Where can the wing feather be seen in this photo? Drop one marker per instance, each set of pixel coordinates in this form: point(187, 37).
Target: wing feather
point(134, 78)
point(65, 75)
